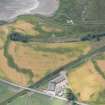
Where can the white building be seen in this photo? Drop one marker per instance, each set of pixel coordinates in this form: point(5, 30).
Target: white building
point(57, 86)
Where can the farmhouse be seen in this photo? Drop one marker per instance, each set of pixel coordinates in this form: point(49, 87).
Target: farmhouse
point(57, 86)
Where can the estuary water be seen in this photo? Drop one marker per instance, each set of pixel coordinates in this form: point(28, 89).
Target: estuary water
point(10, 9)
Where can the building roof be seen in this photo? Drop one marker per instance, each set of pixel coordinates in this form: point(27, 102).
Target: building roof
point(59, 79)
point(51, 86)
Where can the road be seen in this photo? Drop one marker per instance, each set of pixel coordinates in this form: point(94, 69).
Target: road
point(30, 89)
point(36, 91)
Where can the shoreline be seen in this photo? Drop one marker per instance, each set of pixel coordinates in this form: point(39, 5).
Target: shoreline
point(37, 9)
point(27, 11)
point(21, 12)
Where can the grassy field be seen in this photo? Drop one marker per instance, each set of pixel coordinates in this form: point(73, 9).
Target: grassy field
point(9, 72)
point(86, 82)
point(100, 61)
point(100, 100)
point(5, 92)
point(30, 62)
point(36, 99)
point(101, 64)
point(3, 35)
point(24, 27)
point(42, 58)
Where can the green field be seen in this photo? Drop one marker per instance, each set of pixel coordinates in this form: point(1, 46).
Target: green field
point(36, 99)
point(5, 92)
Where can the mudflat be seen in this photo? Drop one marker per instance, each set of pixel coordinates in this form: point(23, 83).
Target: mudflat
point(10, 9)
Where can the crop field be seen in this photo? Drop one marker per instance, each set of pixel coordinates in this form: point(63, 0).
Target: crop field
point(101, 64)
point(42, 58)
point(10, 73)
point(34, 28)
point(24, 27)
point(29, 62)
point(86, 82)
point(3, 35)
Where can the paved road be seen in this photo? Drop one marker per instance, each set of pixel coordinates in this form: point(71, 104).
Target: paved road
point(36, 91)
point(30, 89)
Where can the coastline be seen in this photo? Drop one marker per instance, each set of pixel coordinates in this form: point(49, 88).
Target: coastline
point(47, 7)
point(22, 12)
point(40, 8)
